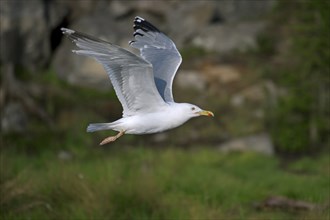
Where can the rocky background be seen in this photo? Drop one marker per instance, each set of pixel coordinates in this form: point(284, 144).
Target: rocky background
point(232, 53)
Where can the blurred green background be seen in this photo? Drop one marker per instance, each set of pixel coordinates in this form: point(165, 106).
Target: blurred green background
point(261, 66)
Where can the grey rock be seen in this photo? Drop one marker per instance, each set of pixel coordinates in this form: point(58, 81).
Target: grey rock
point(25, 31)
point(78, 9)
point(190, 79)
point(13, 118)
point(55, 12)
point(85, 71)
point(222, 74)
point(259, 113)
point(253, 93)
point(237, 100)
point(185, 20)
point(26, 26)
point(217, 25)
point(240, 10)
point(120, 9)
point(260, 143)
point(24, 38)
point(224, 38)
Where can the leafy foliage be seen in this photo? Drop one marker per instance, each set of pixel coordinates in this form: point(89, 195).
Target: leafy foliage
point(300, 121)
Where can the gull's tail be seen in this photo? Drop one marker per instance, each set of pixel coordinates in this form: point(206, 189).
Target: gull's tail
point(116, 125)
point(99, 127)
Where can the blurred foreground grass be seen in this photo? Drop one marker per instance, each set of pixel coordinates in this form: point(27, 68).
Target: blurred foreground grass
point(144, 183)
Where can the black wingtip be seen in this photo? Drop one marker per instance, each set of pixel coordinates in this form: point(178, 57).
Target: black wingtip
point(137, 27)
point(144, 25)
point(137, 33)
point(138, 19)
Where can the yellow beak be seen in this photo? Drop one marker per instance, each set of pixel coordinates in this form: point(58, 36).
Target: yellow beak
point(206, 113)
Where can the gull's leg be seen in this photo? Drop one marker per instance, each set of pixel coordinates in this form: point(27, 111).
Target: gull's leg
point(112, 138)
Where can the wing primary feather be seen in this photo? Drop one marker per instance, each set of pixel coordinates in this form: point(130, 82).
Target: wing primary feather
point(137, 33)
point(159, 50)
point(141, 23)
point(130, 75)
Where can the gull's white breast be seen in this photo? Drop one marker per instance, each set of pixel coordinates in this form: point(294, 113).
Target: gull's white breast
point(148, 123)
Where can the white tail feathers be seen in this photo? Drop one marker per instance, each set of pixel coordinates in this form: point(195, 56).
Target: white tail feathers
point(98, 127)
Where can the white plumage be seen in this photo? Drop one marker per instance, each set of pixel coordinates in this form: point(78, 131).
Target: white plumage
point(143, 84)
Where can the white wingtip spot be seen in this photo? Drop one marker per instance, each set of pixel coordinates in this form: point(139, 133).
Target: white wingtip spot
point(67, 31)
point(138, 19)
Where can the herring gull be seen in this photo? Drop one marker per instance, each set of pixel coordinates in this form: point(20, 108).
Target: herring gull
point(143, 84)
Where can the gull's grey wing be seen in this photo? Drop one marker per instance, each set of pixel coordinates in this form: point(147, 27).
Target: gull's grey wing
point(130, 75)
point(160, 51)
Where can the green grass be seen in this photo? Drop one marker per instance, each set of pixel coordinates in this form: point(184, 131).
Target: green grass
point(144, 183)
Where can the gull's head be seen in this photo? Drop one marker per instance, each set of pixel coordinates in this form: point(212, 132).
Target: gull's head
point(195, 111)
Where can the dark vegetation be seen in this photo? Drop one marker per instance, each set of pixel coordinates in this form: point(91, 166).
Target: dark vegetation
point(298, 55)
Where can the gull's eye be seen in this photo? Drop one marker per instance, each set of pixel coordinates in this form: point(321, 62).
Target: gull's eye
point(193, 108)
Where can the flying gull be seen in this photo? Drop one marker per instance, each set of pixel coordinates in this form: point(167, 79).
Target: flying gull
point(143, 84)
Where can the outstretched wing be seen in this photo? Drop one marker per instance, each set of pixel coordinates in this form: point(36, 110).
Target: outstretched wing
point(160, 51)
point(130, 75)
